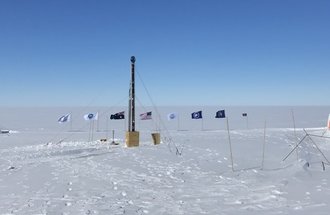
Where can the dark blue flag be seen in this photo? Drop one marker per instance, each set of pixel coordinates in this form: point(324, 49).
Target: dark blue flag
point(197, 115)
point(220, 114)
point(244, 114)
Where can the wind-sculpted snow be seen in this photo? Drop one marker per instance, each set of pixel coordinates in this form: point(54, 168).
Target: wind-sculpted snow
point(78, 177)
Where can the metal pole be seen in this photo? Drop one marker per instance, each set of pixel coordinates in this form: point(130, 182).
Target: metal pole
point(231, 152)
point(107, 127)
point(317, 147)
point(71, 122)
point(130, 110)
point(295, 147)
point(247, 122)
point(263, 147)
point(132, 97)
point(294, 130)
point(202, 124)
point(92, 130)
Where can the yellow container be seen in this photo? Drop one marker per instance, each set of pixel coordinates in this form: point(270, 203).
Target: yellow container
point(156, 138)
point(132, 138)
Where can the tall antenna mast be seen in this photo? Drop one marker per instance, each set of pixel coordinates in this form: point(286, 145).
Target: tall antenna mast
point(132, 136)
point(131, 112)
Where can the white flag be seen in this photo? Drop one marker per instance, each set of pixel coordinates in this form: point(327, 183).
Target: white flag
point(91, 116)
point(64, 118)
point(172, 116)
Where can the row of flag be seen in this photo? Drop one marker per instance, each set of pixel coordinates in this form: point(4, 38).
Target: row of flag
point(218, 114)
point(143, 116)
point(87, 117)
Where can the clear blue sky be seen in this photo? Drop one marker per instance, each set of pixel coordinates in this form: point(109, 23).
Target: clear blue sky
point(189, 52)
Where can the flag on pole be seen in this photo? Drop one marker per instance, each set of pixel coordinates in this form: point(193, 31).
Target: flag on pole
point(91, 116)
point(145, 116)
point(64, 118)
point(197, 115)
point(171, 116)
point(120, 115)
point(220, 114)
point(329, 122)
point(244, 114)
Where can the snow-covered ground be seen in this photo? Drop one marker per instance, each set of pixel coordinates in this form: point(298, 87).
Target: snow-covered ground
point(48, 168)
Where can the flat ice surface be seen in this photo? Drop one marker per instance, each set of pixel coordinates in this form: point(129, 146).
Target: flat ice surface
point(51, 168)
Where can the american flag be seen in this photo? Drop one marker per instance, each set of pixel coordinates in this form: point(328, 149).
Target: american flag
point(145, 116)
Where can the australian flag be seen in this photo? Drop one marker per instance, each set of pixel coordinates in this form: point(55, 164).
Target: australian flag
point(120, 115)
point(220, 114)
point(197, 115)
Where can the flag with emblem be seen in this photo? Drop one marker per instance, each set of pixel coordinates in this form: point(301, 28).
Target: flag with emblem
point(220, 114)
point(172, 116)
point(91, 116)
point(196, 115)
point(64, 118)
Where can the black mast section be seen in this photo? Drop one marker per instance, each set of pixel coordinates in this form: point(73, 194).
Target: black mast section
point(131, 114)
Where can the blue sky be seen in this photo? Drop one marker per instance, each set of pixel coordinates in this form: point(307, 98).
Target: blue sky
point(189, 52)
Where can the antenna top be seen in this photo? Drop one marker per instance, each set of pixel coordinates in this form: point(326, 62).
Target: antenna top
point(133, 59)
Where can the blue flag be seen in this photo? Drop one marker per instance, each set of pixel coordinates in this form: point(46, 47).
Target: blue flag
point(220, 114)
point(244, 114)
point(197, 115)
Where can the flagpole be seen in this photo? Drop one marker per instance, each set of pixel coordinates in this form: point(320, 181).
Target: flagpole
point(70, 121)
point(92, 130)
point(231, 152)
point(97, 125)
point(113, 136)
point(159, 122)
point(202, 124)
point(247, 122)
point(107, 128)
point(294, 130)
point(263, 147)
